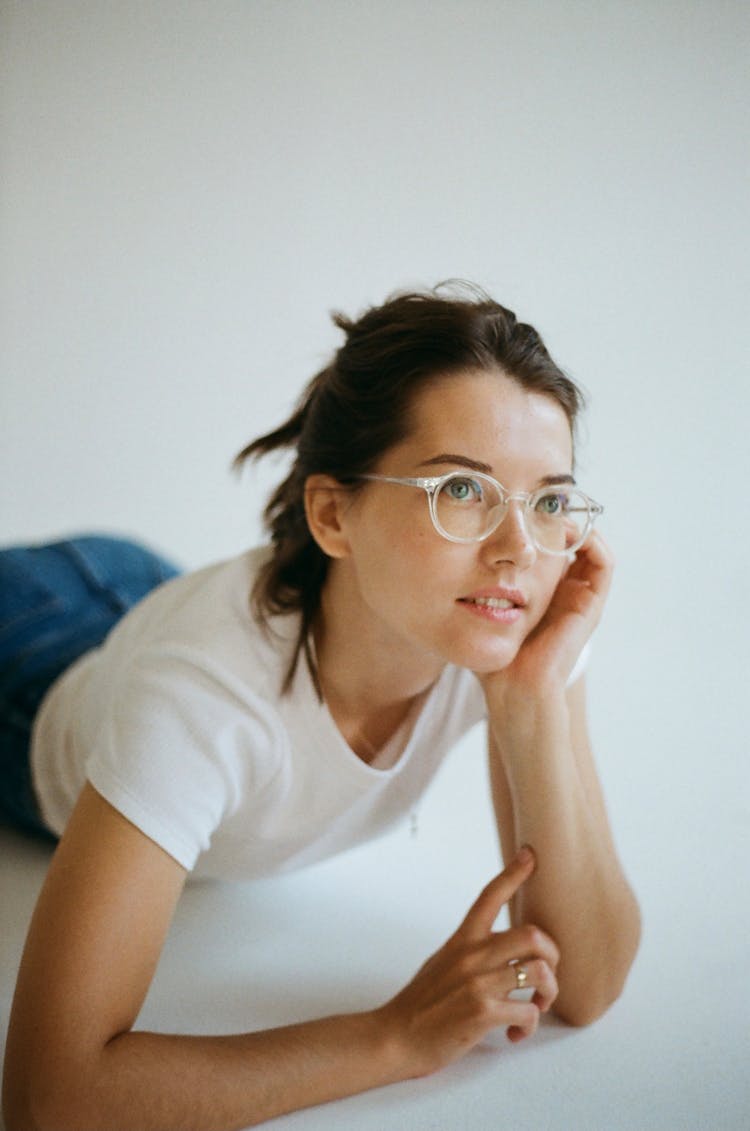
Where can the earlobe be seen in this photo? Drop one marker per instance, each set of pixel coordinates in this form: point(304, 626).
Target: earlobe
point(325, 500)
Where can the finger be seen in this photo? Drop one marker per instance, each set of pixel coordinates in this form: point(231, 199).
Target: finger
point(483, 913)
point(594, 563)
point(524, 1020)
point(538, 981)
point(531, 975)
point(529, 942)
point(523, 944)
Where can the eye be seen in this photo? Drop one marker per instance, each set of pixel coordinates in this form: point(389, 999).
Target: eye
point(462, 489)
point(552, 504)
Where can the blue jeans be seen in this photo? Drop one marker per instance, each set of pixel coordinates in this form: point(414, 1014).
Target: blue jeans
point(56, 602)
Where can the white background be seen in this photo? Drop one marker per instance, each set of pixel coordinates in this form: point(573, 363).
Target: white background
point(189, 188)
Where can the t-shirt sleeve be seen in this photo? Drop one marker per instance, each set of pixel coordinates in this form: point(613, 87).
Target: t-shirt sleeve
point(165, 752)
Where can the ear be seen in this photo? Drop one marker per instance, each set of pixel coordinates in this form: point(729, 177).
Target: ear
point(326, 500)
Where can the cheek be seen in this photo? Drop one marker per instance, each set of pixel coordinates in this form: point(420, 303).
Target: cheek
point(409, 577)
point(405, 544)
point(408, 566)
point(554, 571)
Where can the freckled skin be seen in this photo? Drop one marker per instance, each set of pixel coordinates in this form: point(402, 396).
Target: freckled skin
point(403, 580)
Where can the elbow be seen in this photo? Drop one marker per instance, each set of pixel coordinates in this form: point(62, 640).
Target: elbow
point(31, 1102)
point(590, 1004)
point(20, 1117)
point(20, 1113)
point(17, 1106)
point(585, 1009)
point(604, 983)
point(24, 1110)
point(46, 1087)
point(51, 1088)
point(24, 1113)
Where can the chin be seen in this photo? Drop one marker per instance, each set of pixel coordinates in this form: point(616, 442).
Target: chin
point(483, 660)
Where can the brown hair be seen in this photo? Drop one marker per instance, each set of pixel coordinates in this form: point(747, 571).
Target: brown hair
point(357, 408)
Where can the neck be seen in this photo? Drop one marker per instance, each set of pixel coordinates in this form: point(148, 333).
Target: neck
point(369, 679)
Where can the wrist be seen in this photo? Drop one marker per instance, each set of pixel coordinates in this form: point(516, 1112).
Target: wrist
point(520, 717)
point(401, 1057)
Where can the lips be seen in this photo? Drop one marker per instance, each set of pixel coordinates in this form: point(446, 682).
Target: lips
point(498, 606)
point(496, 598)
point(491, 602)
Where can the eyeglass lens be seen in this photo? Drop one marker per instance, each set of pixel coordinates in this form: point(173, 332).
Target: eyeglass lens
point(469, 508)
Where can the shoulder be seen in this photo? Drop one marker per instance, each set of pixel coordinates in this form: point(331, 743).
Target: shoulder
point(191, 666)
point(203, 621)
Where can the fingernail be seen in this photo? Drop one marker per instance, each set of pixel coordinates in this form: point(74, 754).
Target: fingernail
point(525, 854)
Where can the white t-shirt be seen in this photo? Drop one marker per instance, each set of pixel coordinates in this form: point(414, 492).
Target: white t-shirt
point(177, 720)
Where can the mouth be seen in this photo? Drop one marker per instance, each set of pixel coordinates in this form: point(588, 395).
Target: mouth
point(502, 607)
point(499, 597)
point(490, 602)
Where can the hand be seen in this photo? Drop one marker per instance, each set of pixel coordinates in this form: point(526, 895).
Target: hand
point(463, 991)
point(549, 653)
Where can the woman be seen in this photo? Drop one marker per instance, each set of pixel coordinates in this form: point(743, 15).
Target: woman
point(432, 562)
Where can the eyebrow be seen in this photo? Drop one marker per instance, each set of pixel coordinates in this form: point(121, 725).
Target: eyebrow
point(477, 465)
point(462, 461)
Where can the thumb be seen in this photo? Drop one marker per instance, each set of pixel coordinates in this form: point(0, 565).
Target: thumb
point(484, 911)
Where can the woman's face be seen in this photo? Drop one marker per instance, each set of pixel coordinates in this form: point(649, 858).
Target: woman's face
point(426, 594)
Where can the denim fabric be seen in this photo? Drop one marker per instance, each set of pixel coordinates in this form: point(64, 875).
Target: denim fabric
point(56, 602)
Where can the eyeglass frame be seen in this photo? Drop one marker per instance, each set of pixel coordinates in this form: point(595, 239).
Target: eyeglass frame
point(431, 484)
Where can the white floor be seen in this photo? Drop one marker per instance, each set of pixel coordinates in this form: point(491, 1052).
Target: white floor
point(672, 1054)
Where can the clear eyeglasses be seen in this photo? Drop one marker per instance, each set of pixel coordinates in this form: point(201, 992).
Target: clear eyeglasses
point(469, 507)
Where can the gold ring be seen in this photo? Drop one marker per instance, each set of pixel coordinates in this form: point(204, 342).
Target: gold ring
point(522, 976)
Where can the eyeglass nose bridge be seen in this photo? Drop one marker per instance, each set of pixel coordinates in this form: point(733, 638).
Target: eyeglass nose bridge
point(500, 511)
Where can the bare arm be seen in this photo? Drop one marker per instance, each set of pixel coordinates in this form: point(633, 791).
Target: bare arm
point(546, 793)
point(73, 1060)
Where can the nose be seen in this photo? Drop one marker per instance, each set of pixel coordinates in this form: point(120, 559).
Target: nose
point(510, 541)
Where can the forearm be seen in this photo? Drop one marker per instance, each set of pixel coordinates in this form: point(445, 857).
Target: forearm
point(547, 794)
point(147, 1080)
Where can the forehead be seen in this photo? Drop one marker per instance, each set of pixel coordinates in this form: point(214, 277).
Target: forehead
point(491, 418)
